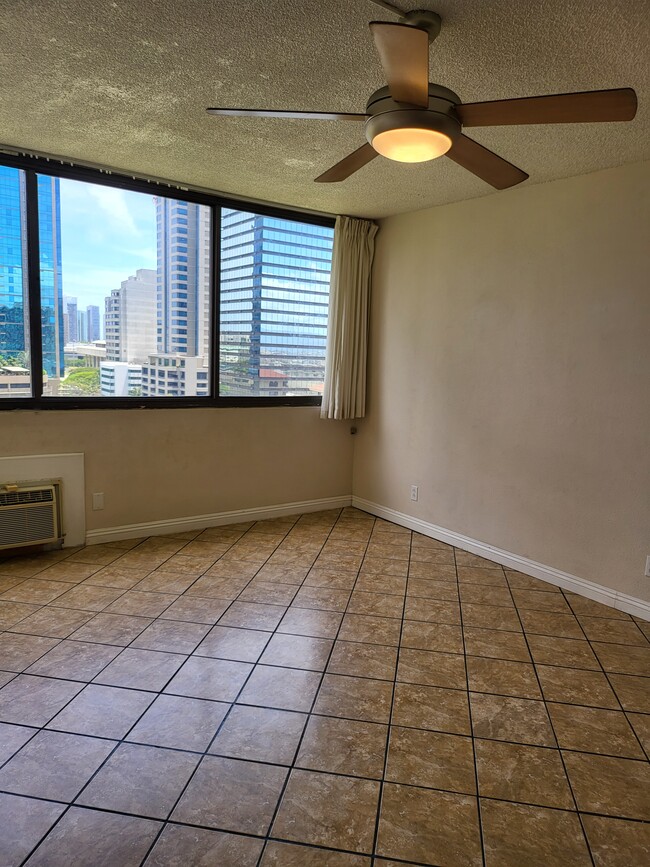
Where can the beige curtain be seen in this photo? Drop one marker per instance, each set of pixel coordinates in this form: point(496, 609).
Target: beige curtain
point(344, 394)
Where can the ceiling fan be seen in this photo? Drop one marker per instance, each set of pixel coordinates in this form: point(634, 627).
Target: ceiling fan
point(412, 120)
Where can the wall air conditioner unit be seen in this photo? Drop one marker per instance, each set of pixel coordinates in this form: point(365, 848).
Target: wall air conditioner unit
point(30, 513)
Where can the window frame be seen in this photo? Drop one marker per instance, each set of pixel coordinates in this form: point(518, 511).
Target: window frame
point(34, 166)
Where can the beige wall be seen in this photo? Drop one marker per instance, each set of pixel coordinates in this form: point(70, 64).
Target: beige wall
point(510, 373)
point(160, 464)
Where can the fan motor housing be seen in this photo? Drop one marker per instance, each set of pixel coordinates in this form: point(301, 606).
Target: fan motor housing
point(385, 113)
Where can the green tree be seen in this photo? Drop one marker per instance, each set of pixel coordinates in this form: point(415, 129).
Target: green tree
point(82, 381)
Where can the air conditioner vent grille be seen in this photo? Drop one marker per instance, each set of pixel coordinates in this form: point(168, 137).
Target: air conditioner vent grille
point(22, 498)
point(28, 525)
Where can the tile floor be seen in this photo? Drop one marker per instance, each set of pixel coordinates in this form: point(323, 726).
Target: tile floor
point(327, 689)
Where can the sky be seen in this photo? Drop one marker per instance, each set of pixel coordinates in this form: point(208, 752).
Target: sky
point(106, 235)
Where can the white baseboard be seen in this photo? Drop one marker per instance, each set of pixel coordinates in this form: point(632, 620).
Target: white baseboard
point(613, 598)
point(198, 522)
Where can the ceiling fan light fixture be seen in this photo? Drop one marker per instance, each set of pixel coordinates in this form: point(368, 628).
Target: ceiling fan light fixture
point(411, 144)
point(412, 135)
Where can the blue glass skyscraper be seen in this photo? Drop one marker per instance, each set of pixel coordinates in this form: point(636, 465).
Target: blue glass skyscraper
point(14, 305)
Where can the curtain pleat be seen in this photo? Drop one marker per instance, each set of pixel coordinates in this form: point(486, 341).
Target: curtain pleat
point(344, 394)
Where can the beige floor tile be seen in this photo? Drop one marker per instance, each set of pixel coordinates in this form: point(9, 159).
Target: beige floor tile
point(431, 668)
point(502, 677)
point(331, 579)
point(253, 615)
point(550, 623)
point(614, 631)
point(495, 644)
point(12, 613)
point(297, 651)
point(102, 711)
point(371, 630)
point(24, 821)
point(526, 582)
point(327, 810)
point(528, 774)
point(91, 838)
point(442, 637)
point(260, 734)
point(432, 610)
point(173, 636)
point(633, 692)
point(141, 669)
point(490, 617)
point(431, 759)
point(71, 573)
point(615, 787)
point(519, 720)
point(567, 652)
point(363, 660)
point(179, 723)
point(623, 659)
point(119, 629)
point(480, 575)
point(33, 701)
point(232, 795)
point(582, 605)
point(640, 722)
point(75, 660)
point(165, 582)
point(35, 591)
point(343, 746)
point(429, 827)
point(486, 595)
point(282, 688)
point(617, 843)
point(141, 604)
point(195, 609)
point(120, 577)
point(394, 584)
point(140, 780)
point(270, 593)
point(18, 652)
point(576, 686)
point(321, 598)
point(593, 730)
point(429, 707)
point(427, 589)
point(431, 571)
point(229, 642)
point(54, 765)
point(12, 738)
point(304, 621)
point(183, 845)
point(200, 677)
point(355, 698)
point(51, 622)
point(376, 604)
point(537, 600)
point(515, 835)
point(296, 855)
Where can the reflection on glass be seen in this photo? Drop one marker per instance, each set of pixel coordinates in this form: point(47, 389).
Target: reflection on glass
point(15, 377)
point(275, 278)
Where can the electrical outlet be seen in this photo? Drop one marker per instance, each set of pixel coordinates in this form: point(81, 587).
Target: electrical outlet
point(647, 566)
point(98, 502)
point(414, 493)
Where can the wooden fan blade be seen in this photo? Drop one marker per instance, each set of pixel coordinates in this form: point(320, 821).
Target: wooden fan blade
point(592, 106)
point(348, 165)
point(290, 115)
point(484, 164)
point(404, 54)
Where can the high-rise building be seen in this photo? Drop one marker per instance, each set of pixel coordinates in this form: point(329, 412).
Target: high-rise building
point(179, 367)
point(130, 319)
point(94, 323)
point(70, 320)
point(82, 326)
point(120, 379)
point(183, 255)
point(275, 277)
point(14, 306)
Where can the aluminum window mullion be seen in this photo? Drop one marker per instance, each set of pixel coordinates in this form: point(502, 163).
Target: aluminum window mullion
point(34, 284)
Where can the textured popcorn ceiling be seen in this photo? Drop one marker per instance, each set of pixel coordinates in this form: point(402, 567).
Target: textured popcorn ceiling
point(126, 84)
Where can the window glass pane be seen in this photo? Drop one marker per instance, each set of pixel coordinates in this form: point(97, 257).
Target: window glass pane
point(15, 377)
point(108, 268)
point(275, 277)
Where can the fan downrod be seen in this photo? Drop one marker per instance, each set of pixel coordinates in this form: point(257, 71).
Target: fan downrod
point(424, 19)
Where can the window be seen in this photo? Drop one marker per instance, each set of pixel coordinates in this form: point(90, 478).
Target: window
point(107, 295)
point(274, 283)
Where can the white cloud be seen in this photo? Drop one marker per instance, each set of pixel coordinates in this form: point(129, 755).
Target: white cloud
point(114, 205)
